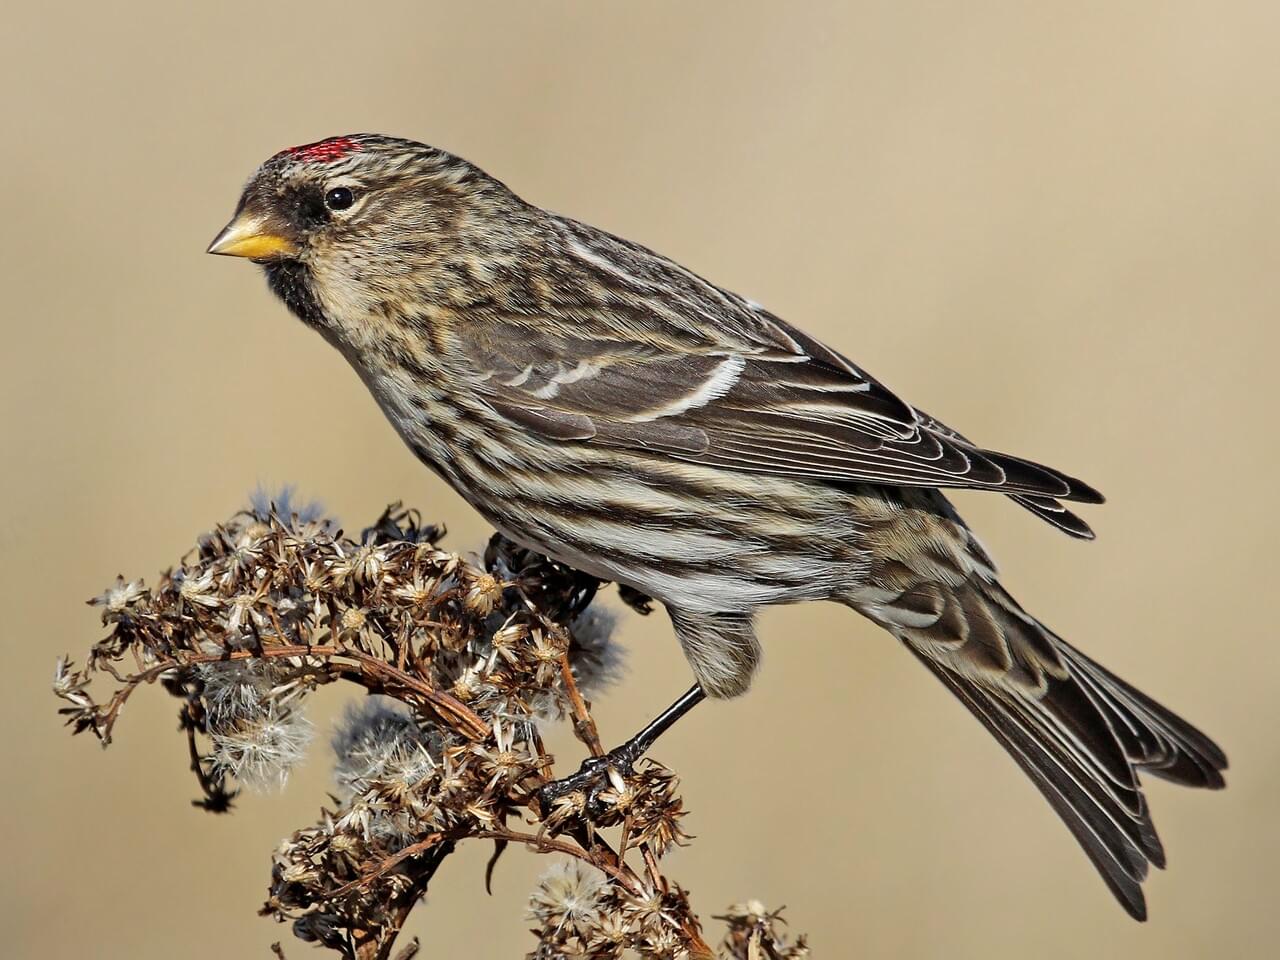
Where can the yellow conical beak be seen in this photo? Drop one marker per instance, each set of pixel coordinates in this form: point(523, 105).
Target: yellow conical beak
point(248, 236)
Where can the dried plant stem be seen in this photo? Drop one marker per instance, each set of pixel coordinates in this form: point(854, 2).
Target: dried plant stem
point(379, 944)
point(585, 727)
point(583, 723)
point(463, 718)
point(422, 846)
point(611, 863)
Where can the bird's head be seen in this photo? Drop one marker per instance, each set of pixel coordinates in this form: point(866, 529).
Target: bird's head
point(365, 226)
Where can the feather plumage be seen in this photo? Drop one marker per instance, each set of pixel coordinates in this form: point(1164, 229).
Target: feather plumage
point(600, 403)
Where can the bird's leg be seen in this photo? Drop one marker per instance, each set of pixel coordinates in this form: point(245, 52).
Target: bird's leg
point(639, 745)
point(591, 775)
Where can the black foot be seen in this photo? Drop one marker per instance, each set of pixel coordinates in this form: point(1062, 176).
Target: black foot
point(591, 779)
point(593, 776)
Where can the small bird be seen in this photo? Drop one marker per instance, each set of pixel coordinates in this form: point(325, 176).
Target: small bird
point(599, 403)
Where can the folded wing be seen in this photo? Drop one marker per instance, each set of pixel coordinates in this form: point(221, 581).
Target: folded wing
point(763, 408)
point(676, 366)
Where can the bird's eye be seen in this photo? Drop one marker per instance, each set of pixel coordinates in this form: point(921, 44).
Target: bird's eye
point(339, 198)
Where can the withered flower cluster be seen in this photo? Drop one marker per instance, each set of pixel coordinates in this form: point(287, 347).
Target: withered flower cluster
point(462, 661)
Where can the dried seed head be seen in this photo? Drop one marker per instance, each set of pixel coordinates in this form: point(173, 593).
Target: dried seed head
point(353, 619)
point(569, 897)
point(261, 753)
point(254, 720)
point(283, 503)
point(596, 657)
point(379, 741)
point(754, 932)
point(118, 597)
point(198, 589)
point(655, 808)
point(483, 594)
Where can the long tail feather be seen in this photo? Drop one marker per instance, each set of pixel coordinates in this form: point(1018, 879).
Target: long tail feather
point(1078, 731)
point(1096, 825)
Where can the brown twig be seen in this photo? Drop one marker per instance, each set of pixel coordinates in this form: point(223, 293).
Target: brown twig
point(389, 864)
point(612, 865)
point(447, 707)
point(583, 723)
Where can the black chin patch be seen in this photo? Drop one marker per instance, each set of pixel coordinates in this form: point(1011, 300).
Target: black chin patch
point(291, 282)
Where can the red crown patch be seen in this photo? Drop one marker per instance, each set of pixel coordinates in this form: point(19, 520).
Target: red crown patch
point(324, 151)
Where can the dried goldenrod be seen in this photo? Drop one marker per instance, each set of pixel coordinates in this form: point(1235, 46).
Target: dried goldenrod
point(461, 661)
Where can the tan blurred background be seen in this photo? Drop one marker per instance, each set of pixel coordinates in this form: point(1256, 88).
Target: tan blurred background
point(1054, 225)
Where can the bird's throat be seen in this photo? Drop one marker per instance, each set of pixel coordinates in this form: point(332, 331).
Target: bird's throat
point(291, 281)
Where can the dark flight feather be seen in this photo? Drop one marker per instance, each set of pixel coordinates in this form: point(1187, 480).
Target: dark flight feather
point(1078, 731)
